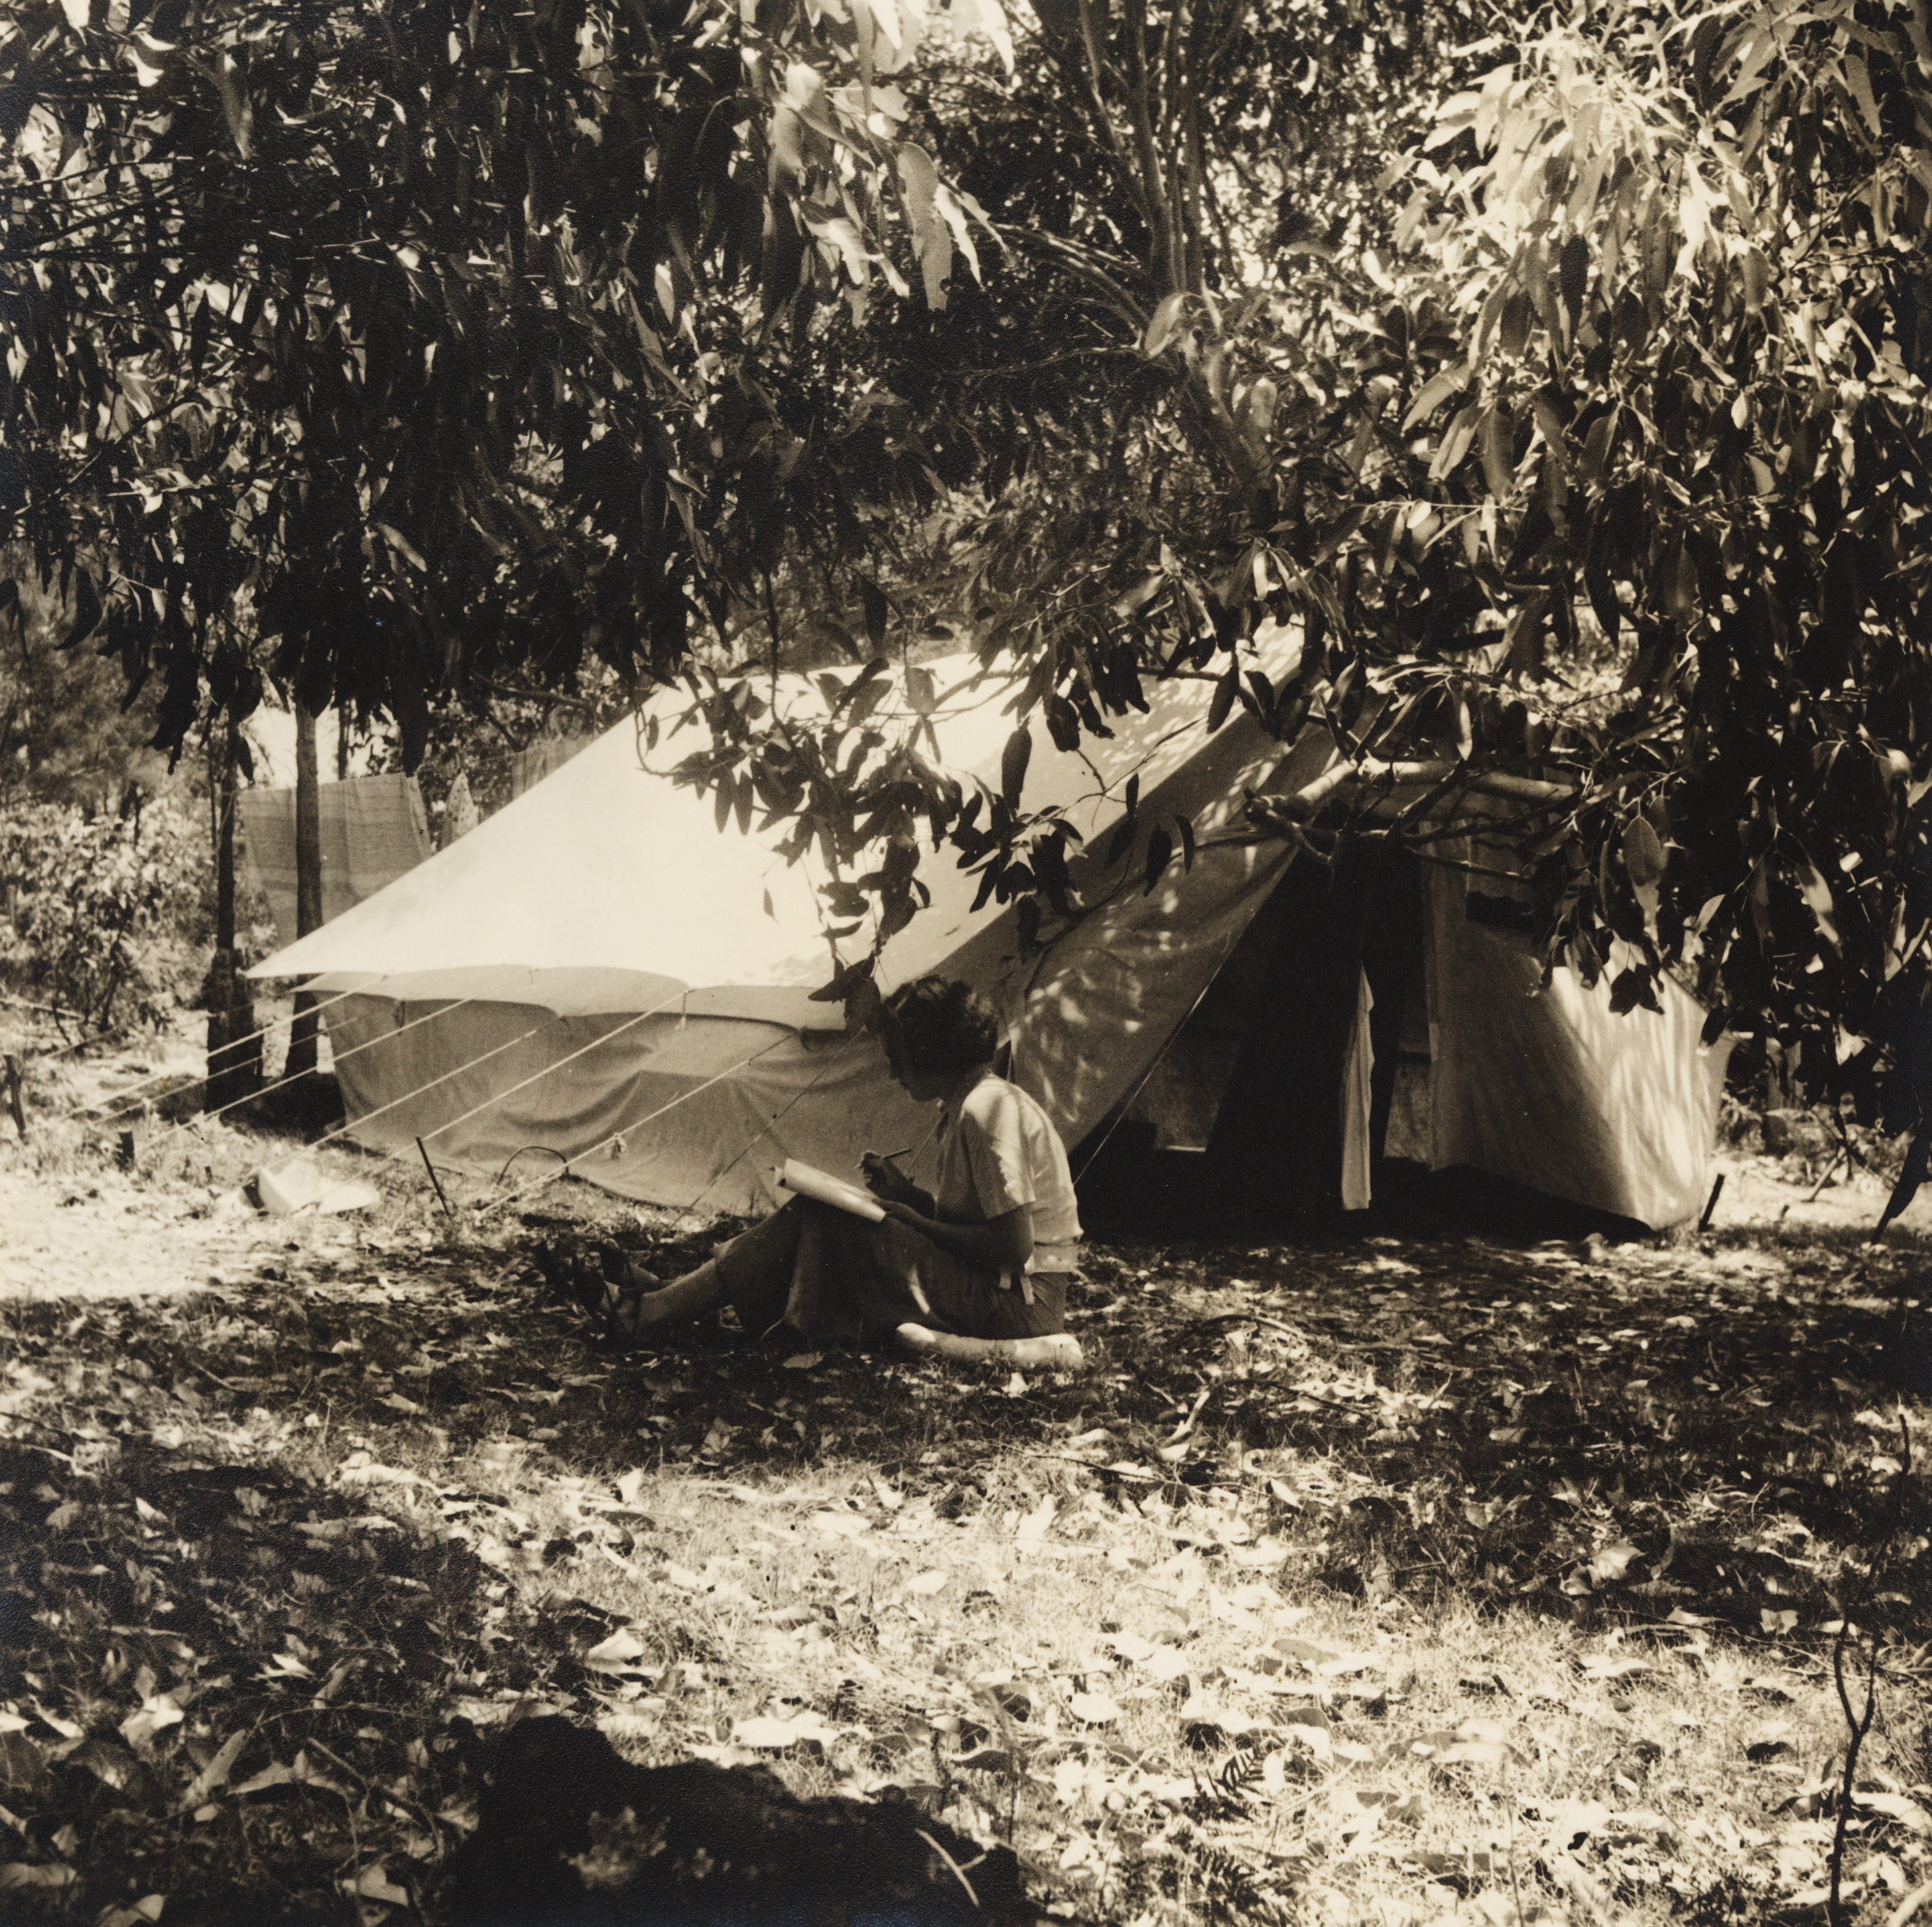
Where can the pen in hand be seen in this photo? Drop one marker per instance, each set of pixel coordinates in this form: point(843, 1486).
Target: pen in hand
point(883, 1177)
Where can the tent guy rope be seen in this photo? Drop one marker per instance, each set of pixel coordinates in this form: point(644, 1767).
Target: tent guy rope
point(123, 1110)
point(765, 1129)
point(635, 1124)
point(339, 1056)
point(536, 1077)
point(469, 1063)
point(718, 1177)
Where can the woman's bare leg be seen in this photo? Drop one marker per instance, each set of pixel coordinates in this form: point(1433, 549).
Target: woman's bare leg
point(686, 1297)
point(752, 1272)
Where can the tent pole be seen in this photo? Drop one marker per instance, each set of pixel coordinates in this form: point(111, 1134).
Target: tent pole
point(440, 1197)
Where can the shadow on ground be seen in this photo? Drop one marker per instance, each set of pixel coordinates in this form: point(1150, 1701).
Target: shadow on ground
point(1671, 1435)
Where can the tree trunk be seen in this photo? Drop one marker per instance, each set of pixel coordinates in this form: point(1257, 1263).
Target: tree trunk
point(224, 840)
point(308, 884)
point(234, 1047)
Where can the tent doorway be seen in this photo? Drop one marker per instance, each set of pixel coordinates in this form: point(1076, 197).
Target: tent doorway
point(1279, 1149)
point(1265, 1116)
point(1241, 1125)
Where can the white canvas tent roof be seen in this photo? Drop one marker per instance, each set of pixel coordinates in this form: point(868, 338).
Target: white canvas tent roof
point(598, 972)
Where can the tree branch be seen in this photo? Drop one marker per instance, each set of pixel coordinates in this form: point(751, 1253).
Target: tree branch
point(1302, 804)
point(1168, 273)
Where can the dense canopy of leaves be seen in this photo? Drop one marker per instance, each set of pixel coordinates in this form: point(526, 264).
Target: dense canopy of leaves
point(1167, 183)
point(409, 337)
point(1674, 414)
point(1566, 388)
point(1595, 476)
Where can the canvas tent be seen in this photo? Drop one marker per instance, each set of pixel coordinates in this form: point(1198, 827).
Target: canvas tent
point(600, 974)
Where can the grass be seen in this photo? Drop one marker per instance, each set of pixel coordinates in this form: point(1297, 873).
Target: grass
point(1355, 1581)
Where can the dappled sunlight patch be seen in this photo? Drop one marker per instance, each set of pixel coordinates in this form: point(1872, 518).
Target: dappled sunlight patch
point(1363, 1582)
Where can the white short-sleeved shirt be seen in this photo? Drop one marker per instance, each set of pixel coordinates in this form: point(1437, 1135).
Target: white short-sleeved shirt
point(998, 1150)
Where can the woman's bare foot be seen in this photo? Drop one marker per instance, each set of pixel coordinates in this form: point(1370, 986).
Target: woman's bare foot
point(628, 1277)
point(641, 1303)
point(622, 1287)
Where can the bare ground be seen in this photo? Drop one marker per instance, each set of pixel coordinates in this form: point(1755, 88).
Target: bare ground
point(1394, 1580)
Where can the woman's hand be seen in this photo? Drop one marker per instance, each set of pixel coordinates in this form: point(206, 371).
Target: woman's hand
point(887, 1182)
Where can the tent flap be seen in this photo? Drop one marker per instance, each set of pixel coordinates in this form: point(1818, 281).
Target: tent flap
point(1553, 1089)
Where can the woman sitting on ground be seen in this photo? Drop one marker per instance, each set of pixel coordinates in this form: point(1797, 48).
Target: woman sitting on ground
point(988, 1256)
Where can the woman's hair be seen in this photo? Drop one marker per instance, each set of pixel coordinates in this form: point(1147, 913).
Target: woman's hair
point(941, 1025)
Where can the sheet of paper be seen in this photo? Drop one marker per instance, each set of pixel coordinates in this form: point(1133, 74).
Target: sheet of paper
point(808, 1181)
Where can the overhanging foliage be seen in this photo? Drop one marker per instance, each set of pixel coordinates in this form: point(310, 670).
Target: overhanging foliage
point(1599, 464)
point(1584, 444)
point(412, 338)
